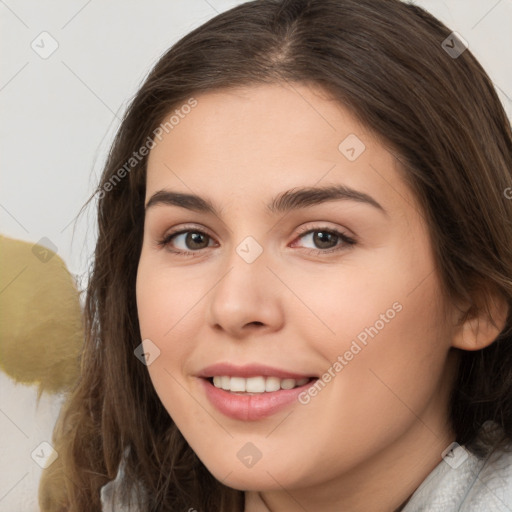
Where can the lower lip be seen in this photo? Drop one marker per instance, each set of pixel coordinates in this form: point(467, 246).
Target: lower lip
point(251, 407)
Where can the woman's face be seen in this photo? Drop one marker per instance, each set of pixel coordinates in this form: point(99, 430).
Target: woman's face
point(284, 282)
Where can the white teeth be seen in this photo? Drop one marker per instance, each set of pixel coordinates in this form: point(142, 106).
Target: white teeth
point(288, 383)
point(256, 384)
point(237, 384)
point(272, 384)
point(225, 384)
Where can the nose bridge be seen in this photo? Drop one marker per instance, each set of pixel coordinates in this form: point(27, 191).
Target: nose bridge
point(246, 268)
point(245, 294)
point(249, 250)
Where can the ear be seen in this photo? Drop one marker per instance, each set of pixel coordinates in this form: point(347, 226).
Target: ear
point(478, 327)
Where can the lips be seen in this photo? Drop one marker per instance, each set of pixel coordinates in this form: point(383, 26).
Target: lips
point(252, 392)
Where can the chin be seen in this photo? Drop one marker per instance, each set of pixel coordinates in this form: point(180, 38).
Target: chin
point(250, 481)
point(263, 476)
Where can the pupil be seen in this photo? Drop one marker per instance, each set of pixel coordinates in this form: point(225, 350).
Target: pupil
point(323, 237)
point(194, 238)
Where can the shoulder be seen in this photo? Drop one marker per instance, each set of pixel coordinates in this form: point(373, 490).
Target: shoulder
point(463, 482)
point(491, 489)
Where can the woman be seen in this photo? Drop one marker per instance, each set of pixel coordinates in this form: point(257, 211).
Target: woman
point(255, 372)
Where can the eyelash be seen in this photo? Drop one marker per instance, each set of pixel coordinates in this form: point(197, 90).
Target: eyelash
point(347, 241)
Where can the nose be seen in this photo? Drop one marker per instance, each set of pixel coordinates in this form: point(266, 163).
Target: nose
point(246, 297)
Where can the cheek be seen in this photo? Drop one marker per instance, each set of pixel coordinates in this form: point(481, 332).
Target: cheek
point(166, 299)
point(394, 357)
point(369, 302)
point(393, 343)
point(167, 306)
point(384, 384)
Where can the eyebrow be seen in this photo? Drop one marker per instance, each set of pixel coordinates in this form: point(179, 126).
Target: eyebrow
point(293, 199)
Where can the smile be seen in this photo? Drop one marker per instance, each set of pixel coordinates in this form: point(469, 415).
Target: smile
point(253, 391)
point(258, 384)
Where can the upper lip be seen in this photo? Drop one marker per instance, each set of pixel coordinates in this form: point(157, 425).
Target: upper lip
point(249, 370)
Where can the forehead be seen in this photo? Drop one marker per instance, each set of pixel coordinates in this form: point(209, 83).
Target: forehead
point(245, 141)
point(274, 118)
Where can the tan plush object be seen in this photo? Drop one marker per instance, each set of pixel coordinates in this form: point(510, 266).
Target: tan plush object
point(41, 332)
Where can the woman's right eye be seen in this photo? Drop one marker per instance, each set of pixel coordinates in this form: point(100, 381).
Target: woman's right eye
point(191, 239)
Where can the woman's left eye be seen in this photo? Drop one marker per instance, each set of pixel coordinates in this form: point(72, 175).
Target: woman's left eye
point(324, 238)
point(328, 239)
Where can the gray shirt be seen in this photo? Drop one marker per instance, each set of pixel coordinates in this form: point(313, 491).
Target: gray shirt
point(465, 483)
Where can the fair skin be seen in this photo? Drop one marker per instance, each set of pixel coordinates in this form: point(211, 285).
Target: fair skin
point(378, 428)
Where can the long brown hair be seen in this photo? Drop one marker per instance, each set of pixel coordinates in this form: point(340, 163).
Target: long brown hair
point(440, 115)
